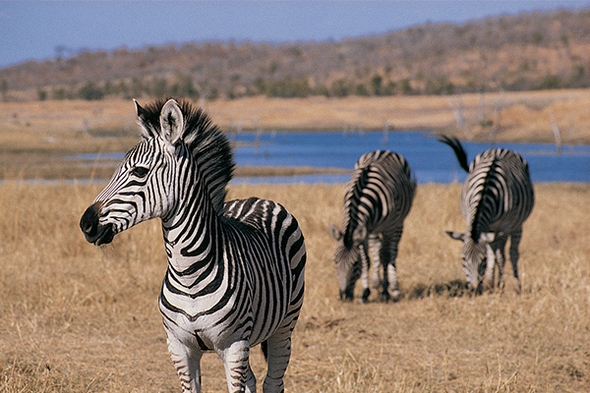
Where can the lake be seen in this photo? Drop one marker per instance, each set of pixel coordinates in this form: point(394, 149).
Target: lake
point(431, 161)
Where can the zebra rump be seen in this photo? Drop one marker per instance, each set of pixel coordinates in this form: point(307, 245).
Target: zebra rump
point(377, 200)
point(496, 199)
point(235, 276)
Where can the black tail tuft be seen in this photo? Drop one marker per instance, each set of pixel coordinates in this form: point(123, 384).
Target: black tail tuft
point(264, 346)
point(458, 149)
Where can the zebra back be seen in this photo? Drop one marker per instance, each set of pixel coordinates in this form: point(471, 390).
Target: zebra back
point(209, 146)
point(381, 189)
point(498, 188)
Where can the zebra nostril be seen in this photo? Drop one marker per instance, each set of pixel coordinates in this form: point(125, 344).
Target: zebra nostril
point(89, 220)
point(86, 227)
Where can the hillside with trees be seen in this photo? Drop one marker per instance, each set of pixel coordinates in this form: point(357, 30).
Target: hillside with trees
point(522, 52)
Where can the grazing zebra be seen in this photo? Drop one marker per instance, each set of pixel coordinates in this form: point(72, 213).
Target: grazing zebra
point(377, 199)
point(497, 198)
point(235, 274)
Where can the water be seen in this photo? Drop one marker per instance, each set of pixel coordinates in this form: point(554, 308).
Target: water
point(431, 161)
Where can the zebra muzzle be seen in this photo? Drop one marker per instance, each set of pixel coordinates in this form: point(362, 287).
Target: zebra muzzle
point(94, 232)
point(347, 295)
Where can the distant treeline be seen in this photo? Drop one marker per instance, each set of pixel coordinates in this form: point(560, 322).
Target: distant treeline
point(521, 52)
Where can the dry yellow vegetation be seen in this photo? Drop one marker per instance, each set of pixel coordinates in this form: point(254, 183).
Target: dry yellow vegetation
point(524, 116)
point(76, 318)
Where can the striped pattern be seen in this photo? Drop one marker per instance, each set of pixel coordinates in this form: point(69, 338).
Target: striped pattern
point(496, 199)
point(235, 276)
point(377, 200)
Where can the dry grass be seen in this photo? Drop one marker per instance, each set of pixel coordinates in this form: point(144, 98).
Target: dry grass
point(75, 318)
point(525, 116)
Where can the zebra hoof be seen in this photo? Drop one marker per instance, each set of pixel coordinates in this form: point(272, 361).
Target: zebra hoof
point(395, 295)
point(366, 293)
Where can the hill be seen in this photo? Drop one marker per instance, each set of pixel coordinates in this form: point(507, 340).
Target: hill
point(522, 52)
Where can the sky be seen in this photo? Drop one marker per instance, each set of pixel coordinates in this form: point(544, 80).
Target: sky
point(39, 30)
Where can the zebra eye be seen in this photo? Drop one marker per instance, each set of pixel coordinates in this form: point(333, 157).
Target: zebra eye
point(140, 171)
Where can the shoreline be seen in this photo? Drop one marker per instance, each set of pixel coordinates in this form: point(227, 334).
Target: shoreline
point(37, 136)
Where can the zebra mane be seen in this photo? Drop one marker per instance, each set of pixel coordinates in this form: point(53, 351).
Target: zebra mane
point(208, 145)
point(352, 197)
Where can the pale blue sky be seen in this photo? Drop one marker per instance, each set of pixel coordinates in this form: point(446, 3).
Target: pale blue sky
point(33, 29)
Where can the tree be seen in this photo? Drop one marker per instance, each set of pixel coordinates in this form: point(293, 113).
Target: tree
point(4, 89)
point(42, 95)
point(376, 85)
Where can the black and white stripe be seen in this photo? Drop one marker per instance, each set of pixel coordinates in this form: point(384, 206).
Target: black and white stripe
point(377, 200)
point(235, 274)
point(496, 199)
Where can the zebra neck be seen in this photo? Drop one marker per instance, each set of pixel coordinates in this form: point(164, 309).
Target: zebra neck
point(192, 231)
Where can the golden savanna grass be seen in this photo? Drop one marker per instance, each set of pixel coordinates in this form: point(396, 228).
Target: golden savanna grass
point(69, 125)
point(76, 318)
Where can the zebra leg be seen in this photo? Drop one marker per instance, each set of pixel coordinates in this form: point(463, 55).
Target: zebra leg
point(187, 363)
point(277, 350)
point(515, 238)
point(501, 259)
point(388, 256)
point(365, 266)
point(238, 374)
point(374, 248)
point(494, 261)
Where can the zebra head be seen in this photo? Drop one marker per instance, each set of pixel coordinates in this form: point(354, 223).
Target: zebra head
point(474, 255)
point(142, 187)
point(347, 258)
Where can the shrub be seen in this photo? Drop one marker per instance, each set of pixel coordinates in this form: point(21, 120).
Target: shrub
point(90, 92)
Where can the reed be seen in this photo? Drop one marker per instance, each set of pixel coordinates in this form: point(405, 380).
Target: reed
point(75, 318)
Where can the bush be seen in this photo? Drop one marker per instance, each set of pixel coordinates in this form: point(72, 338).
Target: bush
point(41, 95)
point(341, 88)
point(550, 82)
point(90, 92)
point(288, 88)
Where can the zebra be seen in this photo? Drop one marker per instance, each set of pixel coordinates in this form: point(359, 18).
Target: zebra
point(235, 275)
point(496, 199)
point(377, 200)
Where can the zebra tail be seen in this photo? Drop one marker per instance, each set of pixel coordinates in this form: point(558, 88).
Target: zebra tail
point(458, 149)
point(264, 347)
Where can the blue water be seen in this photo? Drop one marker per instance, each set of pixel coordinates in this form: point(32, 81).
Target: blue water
point(431, 161)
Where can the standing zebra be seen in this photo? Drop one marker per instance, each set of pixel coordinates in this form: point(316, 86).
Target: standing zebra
point(497, 198)
point(377, 199)
point(235, 274)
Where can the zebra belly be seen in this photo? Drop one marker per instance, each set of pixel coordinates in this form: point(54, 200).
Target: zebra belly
point(505, 224)
point(385, 225)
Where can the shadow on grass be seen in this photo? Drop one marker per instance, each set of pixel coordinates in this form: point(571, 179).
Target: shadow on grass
point(455, 288)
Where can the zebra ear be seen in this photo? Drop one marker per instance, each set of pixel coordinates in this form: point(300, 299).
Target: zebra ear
point(456, 235)
point(171, 122)
point(335, 232)
point(359, 235)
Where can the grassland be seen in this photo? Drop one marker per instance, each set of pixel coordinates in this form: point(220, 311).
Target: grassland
point(35, 137)
point(76, 318)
